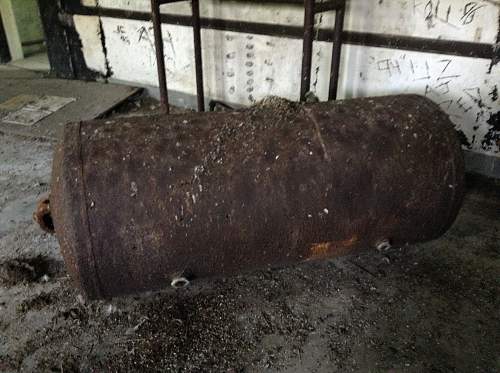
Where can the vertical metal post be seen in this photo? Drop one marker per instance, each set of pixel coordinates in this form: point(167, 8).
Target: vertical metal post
point(160, 58)
point(337, 46)
point(305, 82)
point(197, 54)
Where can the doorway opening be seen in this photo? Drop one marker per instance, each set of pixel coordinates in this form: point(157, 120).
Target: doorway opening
point(22, 40)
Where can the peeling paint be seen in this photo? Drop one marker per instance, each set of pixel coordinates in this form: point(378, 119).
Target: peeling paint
point(496, 46)
point(91, 37)
point(492, 137)
point(109, 72)
point(463, 139)
point(494, 94)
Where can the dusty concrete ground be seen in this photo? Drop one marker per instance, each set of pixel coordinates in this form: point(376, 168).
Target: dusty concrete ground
point(432, 307)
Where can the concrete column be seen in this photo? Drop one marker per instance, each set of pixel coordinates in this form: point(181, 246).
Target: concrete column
point(11, 30)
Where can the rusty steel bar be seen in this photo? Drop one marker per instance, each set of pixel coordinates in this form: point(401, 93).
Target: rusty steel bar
point(160, 57)
point(305, 81)
point(337, 48)
point(162, 200)
point(328, 6)
point(310, 9)
point(195, 5)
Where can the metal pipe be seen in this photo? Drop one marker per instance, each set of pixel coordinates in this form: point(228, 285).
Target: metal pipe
point(307, 46)
point(337, 48)
point(160, 57)
point(197, 54)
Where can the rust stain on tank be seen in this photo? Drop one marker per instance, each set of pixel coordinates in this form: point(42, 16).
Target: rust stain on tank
point(331, 249)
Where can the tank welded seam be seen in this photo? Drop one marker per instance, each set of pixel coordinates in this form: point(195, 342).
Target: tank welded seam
point(450, 145)
point(92, 264)
point(452, 201)
point(312, 117)
point(453, 204)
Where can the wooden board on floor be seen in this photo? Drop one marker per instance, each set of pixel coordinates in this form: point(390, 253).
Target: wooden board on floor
point(92, 99)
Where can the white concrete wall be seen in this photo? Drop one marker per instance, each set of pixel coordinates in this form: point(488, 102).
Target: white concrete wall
point(242, 68)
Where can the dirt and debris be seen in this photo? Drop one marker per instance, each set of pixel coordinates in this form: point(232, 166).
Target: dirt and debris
point(15, 271)
point(430, 307)
point(141, 104)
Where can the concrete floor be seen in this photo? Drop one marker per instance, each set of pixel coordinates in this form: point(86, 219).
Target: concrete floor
point(36, 62)
point(432, 307)
point(91, 100)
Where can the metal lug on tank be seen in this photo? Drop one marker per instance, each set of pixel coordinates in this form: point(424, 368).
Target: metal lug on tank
point(179, 282)
point(42, 215)
point(383, 245)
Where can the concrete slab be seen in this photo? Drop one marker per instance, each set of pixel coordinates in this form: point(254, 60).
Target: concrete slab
point(92, 99)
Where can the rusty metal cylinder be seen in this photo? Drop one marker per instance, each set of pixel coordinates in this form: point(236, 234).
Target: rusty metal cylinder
point(142, 203)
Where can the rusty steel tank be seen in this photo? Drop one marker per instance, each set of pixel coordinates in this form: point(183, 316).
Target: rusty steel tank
point(143, 203)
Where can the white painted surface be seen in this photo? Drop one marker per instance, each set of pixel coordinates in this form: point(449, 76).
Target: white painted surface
point(225, 9)
point(94, 53)
point(233, 63)
point(241, 68)
point(440, 19)
point(445, 19)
